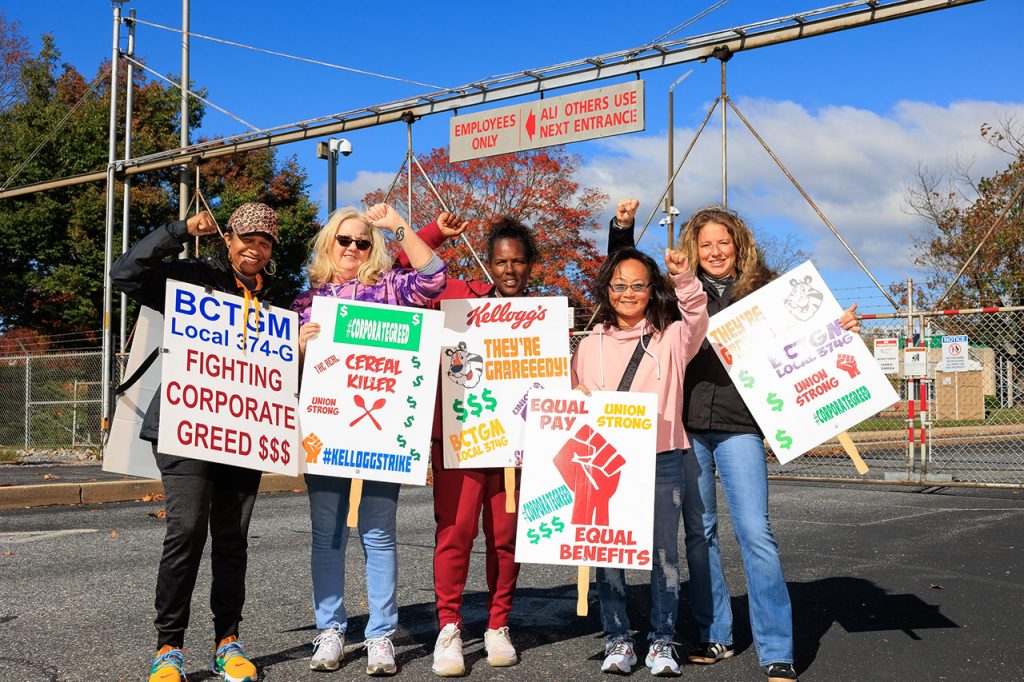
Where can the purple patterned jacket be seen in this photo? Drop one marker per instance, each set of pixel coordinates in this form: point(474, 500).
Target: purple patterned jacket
point(396, 287)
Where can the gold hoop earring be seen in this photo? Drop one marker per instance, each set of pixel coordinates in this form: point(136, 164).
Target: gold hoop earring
point(270, 268)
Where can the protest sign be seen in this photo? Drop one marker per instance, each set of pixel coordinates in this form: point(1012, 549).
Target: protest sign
point(229, 380)
point(368, 387)
point(505, 348)
point(125, 452)
point(803, 377)
point(587, 492)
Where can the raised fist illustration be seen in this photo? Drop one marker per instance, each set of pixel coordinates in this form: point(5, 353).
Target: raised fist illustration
point(590, 467)
point(312, 445)
point(848, 364)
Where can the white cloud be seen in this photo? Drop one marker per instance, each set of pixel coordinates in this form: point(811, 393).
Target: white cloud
point(855, 164)
point(351, 192)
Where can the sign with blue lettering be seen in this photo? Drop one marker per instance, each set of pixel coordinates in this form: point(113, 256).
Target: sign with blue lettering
point(802, 376)
point(369, 383)
point(230, 380)
point(954, 353)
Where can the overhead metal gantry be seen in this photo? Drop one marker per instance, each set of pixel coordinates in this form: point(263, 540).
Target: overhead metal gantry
point(533, 81)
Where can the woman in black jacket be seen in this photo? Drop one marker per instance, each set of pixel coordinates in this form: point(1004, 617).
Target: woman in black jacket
point(202, 495)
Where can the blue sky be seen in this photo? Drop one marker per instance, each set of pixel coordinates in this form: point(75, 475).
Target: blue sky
point(852, 114)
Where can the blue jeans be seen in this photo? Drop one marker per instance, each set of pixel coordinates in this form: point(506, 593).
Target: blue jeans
point(328, 508)
point(740, 460)
point(611, 582)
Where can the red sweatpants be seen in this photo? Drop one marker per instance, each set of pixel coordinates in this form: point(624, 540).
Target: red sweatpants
point(459, 496)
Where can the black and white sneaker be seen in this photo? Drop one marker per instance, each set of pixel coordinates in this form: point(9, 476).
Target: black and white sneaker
point(780, 672)
point(711, 652)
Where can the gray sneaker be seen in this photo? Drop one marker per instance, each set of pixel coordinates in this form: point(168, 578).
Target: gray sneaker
point(661, 658)
point(448, 661)
point(619, 656)
point(380, 655)
point(500, 652)
point(328, 650)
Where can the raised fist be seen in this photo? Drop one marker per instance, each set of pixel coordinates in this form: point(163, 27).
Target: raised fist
point(625, 211)
point(312, 445)
point(591, 467)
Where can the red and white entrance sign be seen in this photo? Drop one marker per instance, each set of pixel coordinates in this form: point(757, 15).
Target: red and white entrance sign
point(602, 112)
point(500, 349)
point(587, 491)
point(368, 387)
point(803, 377)
point(230, 380)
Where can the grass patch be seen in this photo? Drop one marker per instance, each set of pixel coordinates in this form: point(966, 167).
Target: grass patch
point(7, 456)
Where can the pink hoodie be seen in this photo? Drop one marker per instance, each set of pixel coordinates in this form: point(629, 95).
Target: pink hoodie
point(602, 357)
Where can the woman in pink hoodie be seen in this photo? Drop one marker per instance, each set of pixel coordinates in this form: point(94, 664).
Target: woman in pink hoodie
point(636, 308)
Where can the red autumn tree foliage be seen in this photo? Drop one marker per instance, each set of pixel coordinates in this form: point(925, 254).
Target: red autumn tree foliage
point(536, 187)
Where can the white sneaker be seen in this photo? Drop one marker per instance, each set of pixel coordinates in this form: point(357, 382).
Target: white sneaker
point(619, 657)
point(661, 658)
point(500, 652)
point(380, 656)
point(448, 653)
point(328, 650)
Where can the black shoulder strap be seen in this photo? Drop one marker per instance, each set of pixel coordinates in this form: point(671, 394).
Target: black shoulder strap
point(137, 374)
point(634, 363)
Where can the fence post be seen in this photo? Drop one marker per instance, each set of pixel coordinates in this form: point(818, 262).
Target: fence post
point(28, 397)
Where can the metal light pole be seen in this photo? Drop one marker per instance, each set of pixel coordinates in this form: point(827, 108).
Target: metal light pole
point(108, 239)
point(329, 150)
point(670, 199)
point(122, 328)
point(183, 195)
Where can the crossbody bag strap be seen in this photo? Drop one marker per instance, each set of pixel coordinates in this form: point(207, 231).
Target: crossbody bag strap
point(634, 363)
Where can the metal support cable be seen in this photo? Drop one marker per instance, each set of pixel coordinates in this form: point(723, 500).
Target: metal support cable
point(692, 20)
point(198, 97)
point(95, 84)
point(290, 56)
point(810, 201)
point(998, 221)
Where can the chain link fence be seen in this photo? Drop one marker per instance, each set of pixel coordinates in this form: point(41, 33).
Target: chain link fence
point(967, 426)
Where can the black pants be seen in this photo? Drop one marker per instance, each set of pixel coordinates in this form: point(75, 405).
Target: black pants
point(201, 495)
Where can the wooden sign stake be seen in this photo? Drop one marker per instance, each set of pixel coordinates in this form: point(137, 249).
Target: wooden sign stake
point(510, 490)
point(851, 450)
point(355, 496)
point(582, 588)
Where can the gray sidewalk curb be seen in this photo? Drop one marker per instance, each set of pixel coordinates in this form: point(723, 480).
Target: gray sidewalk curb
point(95, 492)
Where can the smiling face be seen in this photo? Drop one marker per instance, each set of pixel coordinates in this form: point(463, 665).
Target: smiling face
point(510, 267)
point(629, 306)
point(347, 259)
point(716, 250)
point(249, 253)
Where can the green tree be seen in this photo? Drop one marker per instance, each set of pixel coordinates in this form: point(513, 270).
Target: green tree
point(960, 210)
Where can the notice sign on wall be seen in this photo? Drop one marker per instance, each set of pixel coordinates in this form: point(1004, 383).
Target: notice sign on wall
point(887, 355)
point(368, 386)
point(587, 492)
point(586, 115)
point(803, 377)
point(503, 349)
point(229, 380)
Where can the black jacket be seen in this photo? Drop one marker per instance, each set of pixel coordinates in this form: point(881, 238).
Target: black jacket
point(142, 273)
point(710, 400)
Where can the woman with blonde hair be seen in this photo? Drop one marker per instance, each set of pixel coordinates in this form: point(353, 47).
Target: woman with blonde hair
point(349, 260)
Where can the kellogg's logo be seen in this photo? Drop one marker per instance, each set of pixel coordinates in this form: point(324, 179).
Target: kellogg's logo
point(503, 314)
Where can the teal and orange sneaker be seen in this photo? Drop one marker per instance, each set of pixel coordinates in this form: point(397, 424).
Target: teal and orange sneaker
point(231, 663)
point(167, 667)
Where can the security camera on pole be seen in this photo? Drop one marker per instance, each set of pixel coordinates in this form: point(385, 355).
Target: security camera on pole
point(329, 150)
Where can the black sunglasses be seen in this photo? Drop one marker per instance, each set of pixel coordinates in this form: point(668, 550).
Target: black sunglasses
point(346, 241)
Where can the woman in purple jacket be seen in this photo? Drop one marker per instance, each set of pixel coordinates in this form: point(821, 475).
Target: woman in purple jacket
point(349, 260)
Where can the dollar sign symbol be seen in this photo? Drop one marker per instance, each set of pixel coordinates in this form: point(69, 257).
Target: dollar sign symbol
point(545, 530)
point(263, 447)
point(533, 535)
point(415, 362)
point(409, 420)
point(784, 441)
point(746, 379)
point(401, 440)
point(416, 319)
point(343, 311)
point(415, 455)
point(412, 403)
point(460, 411)
point(775, 402)
point(489, 402)
point(417, 381)
point(474, 405)
point(557, 524)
